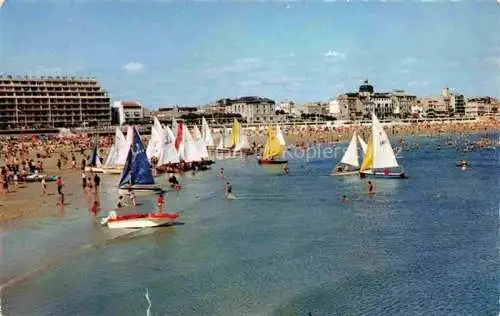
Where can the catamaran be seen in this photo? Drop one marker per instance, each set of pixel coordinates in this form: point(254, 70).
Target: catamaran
point(380, 160)
point(349, 165)
point(273, 151)
point(118, 154)
point(137, 175)
point(94, 163)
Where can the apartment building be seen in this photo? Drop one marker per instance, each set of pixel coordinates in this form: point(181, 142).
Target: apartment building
point(52, 101)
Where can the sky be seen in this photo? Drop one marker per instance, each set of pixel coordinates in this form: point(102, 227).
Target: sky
point(192, 53)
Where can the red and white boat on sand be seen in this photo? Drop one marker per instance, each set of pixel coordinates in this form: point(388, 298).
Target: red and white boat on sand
point(138, 220)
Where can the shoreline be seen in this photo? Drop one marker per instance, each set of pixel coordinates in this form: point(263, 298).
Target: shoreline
point(26, 202)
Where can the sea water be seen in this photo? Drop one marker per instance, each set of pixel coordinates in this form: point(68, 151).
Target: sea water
point(285, 245)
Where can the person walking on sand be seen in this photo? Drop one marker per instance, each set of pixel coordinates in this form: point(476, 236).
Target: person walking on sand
point(44, 186)
point(59, 183)
point(95, 208)
point(97, 182)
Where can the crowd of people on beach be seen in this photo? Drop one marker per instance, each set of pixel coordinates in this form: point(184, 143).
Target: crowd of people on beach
point(26, 159)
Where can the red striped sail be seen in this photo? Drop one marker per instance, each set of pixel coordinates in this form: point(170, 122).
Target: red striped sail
point(178, 135)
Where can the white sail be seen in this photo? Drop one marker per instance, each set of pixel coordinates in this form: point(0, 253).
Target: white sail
point(196, 132)
point(279, 135)
point(221, 142)
point(130, 134)
point(205, 131)
point(363, 144)
point(351, 154)
point(383, 154)
point(153, 149)
point(157, 124)
point(122, 146)
point(191, 152)
point(169, 134)
point(174, 126)
point(111, 155)
point(168, 153)
point(227, 140)
point(242, 142)
point(200, 142)
point(118, 153)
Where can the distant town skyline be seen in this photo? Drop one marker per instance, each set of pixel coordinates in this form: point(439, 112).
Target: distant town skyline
point(193, 53)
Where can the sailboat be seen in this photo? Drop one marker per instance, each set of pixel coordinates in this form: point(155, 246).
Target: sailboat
point(137, 175)
point(206, 135)
point(118, 154)
point(380, 160)
point(94, 163)
point(239, 140)
point(349, 165)
point(273, 151)
point(225, 140)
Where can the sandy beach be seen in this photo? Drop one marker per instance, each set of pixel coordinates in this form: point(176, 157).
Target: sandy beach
point(26, 200)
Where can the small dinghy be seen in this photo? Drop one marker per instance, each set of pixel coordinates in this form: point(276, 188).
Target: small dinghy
point(137, 174)
point(138, 220)
point(380, 160)
point(94, 165)
point(273, 150)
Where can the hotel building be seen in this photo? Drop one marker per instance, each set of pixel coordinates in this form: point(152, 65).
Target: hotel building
point(52, 101)
point(386, 105)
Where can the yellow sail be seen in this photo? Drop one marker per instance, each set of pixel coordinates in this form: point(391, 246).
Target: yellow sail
point(273, 148)
point(235, 133)
point(368, 159)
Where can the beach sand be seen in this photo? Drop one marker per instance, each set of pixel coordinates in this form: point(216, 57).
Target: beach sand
point(27, 202)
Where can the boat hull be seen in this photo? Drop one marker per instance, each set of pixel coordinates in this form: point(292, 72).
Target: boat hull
point(112, 170)
point(271, 162)
point(94, 169)
point(141, 220)
point(345, 173)
point(141, 189)
point(382, 174)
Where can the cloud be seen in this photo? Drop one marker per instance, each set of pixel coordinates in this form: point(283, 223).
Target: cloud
point(494, 60)
point(289, 55)
point(452, 64)
point(42, 70)
point(418, 84)
point(403, 71)
point(332, 54)
point(411, 60)
point(247, 83)
point(133, 66)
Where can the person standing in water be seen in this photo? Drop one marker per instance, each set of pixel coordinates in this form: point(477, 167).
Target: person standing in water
point(160, 201)
point(228, 190)
point(371, 188)
point(221, 174)
point(286, 169)
point(344, 199)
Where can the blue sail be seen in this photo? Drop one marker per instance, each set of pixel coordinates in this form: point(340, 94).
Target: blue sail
point(127, 171)
point(93, 157)
point(137, 169)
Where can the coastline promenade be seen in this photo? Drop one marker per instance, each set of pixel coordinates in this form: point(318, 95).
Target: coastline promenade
point(105, 130)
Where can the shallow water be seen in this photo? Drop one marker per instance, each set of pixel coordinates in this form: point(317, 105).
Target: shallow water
point(285, 246)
